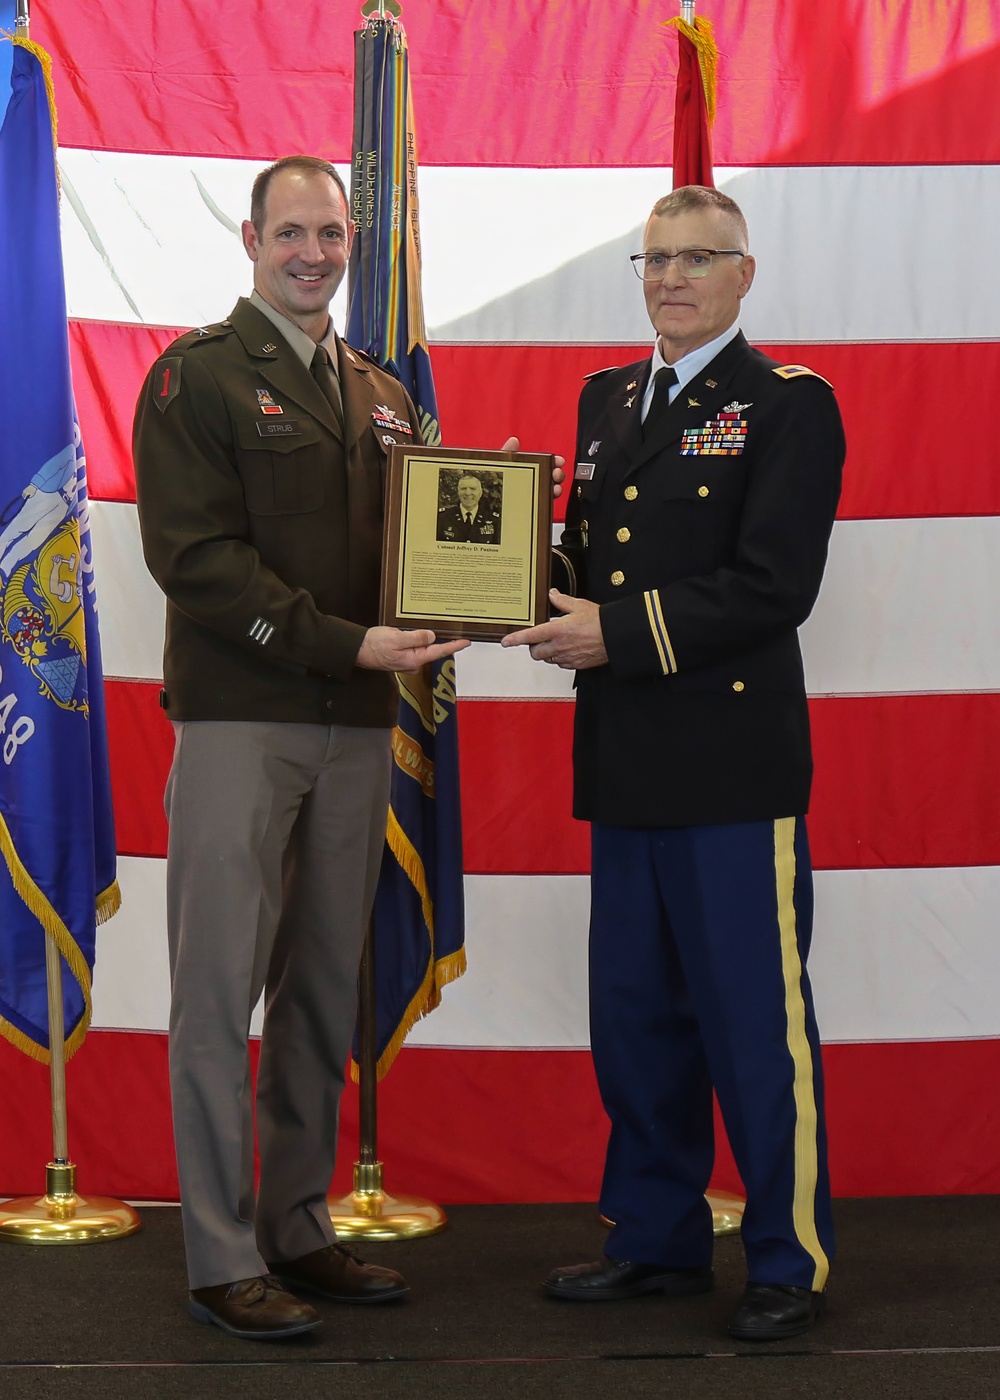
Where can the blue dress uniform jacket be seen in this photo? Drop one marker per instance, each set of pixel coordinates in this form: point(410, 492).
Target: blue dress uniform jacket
point(263, 526)
point(705, 545)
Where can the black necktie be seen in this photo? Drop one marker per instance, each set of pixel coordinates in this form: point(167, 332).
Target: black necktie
point(328, 380)
point(662, 384)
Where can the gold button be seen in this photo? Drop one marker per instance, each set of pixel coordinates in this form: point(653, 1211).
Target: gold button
point(737, 686)
point(617, 578)
point(624, 535)
point(702, 490)
point(631, 492)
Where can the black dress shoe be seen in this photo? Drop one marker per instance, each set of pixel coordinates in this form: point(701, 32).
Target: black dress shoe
point(256, 1309)
point(607, 1280)
point(771, 1311)
point(335, 1273)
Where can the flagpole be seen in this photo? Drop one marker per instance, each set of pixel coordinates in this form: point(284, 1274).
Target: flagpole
point(727, 1209)
point(368, 1211)
point(60, 1216)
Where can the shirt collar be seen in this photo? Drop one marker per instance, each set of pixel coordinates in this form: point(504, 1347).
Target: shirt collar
point(303, 345)
point(689, 365)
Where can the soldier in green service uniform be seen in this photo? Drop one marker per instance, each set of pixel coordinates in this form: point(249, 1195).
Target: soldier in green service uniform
point(260, 461)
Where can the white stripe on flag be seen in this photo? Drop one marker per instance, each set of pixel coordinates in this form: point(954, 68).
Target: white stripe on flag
point(907, 606)
point(844, 253)
point(897, 955)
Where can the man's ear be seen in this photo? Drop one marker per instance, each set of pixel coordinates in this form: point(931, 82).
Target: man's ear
point(250, 242)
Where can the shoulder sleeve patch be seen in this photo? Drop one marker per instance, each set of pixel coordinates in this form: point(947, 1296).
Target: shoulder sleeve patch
point(596, 374)
point(166, 380)
point(798, 372)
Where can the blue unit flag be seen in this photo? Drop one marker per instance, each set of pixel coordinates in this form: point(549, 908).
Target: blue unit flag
point(419, 906)
point(57, 874)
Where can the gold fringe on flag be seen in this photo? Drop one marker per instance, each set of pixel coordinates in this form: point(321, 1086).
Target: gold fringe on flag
point(108, 902)
point(438, 974)
point(46, 63)
point(702, 35)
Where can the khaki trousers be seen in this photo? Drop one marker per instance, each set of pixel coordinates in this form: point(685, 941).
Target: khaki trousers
point(276, 834)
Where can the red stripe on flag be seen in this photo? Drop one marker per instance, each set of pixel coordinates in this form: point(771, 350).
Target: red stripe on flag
point(497, 82)
point(109, 361)
point(894, 786)
point(140, 750)
point(521, 1125)
point(895, 429)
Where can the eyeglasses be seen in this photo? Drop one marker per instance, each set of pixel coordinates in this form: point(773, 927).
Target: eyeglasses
point(692, 262)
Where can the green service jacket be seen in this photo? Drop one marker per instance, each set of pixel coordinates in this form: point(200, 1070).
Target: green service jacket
point(261, 520)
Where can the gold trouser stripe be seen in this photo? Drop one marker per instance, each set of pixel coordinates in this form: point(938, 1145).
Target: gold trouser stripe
point(806, 1113)
point(659, 630)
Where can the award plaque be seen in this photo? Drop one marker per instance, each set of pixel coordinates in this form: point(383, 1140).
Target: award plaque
point(467, 541)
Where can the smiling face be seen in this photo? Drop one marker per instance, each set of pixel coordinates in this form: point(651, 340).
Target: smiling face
point(301, 250)
point(470, 488)
point(688, 312)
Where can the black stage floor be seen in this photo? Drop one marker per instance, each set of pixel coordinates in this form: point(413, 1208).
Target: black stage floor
point(914, 1311)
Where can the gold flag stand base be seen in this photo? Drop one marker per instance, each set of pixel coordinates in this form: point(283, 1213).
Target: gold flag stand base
point(63, 1217)
point(727, 1213)
point(371, 1213)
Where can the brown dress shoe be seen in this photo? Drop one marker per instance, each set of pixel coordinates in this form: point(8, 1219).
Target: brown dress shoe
point(257, 1309)
point(334, 1273)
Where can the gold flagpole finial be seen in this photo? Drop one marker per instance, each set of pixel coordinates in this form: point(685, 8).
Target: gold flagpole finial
point(381, 10)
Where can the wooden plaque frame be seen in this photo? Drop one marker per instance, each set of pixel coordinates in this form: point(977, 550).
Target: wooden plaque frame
point(433, 576)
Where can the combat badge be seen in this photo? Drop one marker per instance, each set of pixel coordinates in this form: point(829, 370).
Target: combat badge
point(167, 381)
point(266, 403)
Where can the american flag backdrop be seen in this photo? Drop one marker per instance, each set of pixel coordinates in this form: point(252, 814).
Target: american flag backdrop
point(862, 139)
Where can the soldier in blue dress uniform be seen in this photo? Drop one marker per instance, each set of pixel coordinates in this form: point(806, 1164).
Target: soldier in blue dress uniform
point(703, 496)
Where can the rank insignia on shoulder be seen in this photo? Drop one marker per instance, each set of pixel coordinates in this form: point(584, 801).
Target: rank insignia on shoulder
point(269, 348)
point(266, 403)
point(167, 381)
point(799, 372)
point(260, 631)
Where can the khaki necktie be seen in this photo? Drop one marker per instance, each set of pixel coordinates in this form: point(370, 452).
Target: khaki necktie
point(658, 404)
point(329, 381)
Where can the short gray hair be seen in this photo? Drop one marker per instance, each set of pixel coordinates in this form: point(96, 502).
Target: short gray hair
point(688, 198)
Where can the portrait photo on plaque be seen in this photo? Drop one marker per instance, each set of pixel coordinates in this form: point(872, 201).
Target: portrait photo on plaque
point(467, 541)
